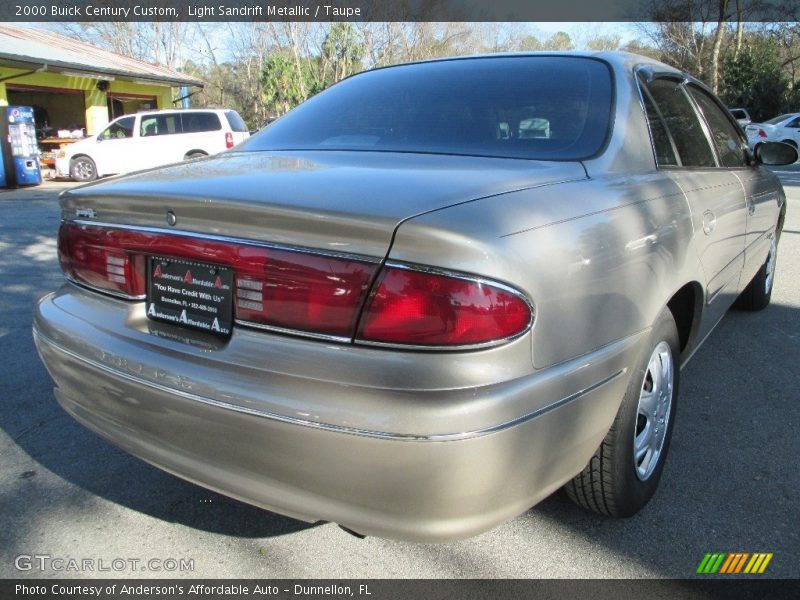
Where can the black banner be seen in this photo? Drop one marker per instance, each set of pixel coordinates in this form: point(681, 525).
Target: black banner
point(387, 589)
point(390, 10)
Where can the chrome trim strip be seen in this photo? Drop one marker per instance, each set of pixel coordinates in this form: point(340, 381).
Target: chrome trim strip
point(228, 240)
point(401, 437)
point(453, 275)
point(296, 332)
point(100, 290)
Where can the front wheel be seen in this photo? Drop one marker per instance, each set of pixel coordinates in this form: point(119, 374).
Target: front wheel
point(624, 472)
point(82, 168)
point(758, 293)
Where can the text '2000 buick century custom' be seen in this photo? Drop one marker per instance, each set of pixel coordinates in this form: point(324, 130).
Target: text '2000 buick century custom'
point(426, 298)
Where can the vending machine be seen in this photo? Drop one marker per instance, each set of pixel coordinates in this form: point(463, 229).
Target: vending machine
point(20, 152)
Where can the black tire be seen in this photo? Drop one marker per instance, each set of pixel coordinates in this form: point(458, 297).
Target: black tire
point(615, 483)
point(82, 168)
point(791, 143)
point(193, 155)
point(758, 293)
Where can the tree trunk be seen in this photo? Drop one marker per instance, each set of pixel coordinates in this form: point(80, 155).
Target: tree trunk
point(739, 29)
point(723, 6)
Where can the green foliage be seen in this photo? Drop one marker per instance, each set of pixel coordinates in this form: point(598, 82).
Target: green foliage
point(343, 50)
point(281, 83)
point(558, 41)
point(754, 79)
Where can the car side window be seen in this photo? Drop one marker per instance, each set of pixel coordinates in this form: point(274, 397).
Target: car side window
point(682, 122)
point(160, 125)
point(726, 137)
point(200, 121)
point(795, 123)
point(119, 129)
point(665, 153)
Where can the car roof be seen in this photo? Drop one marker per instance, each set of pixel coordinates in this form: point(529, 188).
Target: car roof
point(616, 58)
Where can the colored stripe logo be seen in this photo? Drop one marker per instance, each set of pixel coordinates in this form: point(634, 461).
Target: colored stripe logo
point(732, 563)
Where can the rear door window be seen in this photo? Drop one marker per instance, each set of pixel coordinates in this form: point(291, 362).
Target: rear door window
point(160, 125)
point(196, 122)
point(682, 122)
point(726, 136)
point(662, 144)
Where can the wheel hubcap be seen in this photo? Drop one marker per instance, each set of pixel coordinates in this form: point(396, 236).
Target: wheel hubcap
point(84, 169)
point(652, 415)
point(773, 254)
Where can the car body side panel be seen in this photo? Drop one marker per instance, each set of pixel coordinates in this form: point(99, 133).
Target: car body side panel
point(765, 199)
point(717, 202)
point(599, 259)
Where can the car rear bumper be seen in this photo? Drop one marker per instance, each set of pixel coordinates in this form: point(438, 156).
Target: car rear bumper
point(432, 463)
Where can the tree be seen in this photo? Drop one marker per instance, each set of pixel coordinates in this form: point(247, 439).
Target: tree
point(342, 50)
point(282, 88)
point(754, 79)
point(558, 41)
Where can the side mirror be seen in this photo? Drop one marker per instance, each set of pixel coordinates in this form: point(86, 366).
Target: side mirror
point(775, 154)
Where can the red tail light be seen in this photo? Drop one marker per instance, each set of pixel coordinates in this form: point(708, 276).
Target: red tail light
point(278, 288)
point(762, 133)
point(298, 291)
point(95, 257)
point(304, 291)
point(430, 309)
point(229, 140)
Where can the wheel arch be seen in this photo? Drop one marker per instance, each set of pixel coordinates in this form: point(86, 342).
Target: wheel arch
point(188, 153)
point(686, 306)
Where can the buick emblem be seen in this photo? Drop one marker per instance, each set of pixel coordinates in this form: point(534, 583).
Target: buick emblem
point(171, 218)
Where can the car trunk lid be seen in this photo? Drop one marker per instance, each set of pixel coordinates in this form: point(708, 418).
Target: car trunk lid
point(348, 202)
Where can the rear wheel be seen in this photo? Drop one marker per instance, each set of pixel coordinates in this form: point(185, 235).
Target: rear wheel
point(82, 168)
point(623, 474)
point(758, 293)
point(196, 154)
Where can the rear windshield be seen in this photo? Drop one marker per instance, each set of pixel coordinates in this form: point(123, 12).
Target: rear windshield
point(235, 121)
point(540, 107)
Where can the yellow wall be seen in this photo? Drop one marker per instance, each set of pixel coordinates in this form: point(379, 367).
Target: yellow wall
point(95, 100)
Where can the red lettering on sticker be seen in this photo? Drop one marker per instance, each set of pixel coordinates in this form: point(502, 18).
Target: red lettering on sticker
point(188, 277)
point(157, 272)
point(218, 283)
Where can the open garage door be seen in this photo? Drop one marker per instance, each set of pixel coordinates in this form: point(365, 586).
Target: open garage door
point(54, 108)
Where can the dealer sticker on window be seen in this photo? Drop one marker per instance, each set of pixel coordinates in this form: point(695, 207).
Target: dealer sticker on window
point(190, 294)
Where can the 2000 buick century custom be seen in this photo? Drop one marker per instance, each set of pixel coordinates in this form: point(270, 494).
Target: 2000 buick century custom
point(426, 298)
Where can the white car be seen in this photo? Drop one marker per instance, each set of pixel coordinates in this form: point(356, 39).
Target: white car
point(151, 139)
point(741, 115)
point(785, 128)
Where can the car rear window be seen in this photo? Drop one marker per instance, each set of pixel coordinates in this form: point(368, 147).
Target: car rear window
point(235, 121)
point(195, 122)
point(542, 107)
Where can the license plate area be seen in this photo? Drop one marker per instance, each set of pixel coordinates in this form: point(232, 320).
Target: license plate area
point(190, 294)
